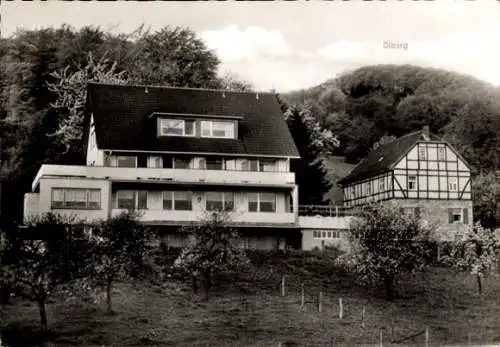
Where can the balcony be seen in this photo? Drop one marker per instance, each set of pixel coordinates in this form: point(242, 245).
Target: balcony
point(160, 175)
point(324, 217)
point(161, 217)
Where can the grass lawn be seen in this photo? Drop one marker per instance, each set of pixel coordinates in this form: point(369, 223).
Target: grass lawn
point(247, 309)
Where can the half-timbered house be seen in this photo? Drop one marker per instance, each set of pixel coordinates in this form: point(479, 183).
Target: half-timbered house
point(420, 172)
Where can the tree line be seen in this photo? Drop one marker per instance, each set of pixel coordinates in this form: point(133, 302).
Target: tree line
point(43, 76)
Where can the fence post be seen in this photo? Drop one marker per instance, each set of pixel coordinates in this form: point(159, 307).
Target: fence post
point(302, 296)
point(320, 304)
point(283, 285)
point(341, 309)
point(426, 337)
point(380, 338)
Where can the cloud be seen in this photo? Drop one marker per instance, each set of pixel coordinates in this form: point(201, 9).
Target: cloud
point(233, 44)
point(268, 61)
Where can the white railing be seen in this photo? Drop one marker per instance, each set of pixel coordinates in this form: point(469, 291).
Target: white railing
point(325, 211)
point(245, 178)
point(159, 216)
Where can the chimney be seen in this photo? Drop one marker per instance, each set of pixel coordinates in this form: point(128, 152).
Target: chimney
point(425, 132)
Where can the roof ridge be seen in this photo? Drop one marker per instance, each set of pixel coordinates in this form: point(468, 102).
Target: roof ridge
point(180, 88)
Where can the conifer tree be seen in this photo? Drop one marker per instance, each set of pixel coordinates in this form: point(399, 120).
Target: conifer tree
point(313, 144)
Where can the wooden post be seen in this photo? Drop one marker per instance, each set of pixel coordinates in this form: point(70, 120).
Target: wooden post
point(426, 337)
point(302, 296)
point(469, 339)
point(283, 286)
point(320, 304)
point(341, 309)
point(439, 252)
point(381, 344)
point(363, 317)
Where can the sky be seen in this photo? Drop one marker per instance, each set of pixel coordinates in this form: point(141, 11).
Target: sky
point(293, 45)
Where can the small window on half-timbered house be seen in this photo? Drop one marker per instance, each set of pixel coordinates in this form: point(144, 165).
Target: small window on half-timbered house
point(421, 153)
point(412, 182)
point(452, 184)
point(368, 188)
point(441, 153)
point(381, 184)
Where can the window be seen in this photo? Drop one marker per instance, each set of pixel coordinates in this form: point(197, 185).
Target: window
point(267, 165)
point(178, 200)
point(421, 153)
point(353, 192)
point(76, 198)
point(230, 164)
point(177, 127)
point(261, 202)
point(455, 215)
point(132, 200)
point(155, 162)
point(458, 215)
point(441, 153)
point(412, 182)
point(381, 184)
point(126, 161)
point(368, 188)
point(452, 184)
point(220, 201)
point(182, 163)
point(220, 129)
point(213, 164)
point(326, 234)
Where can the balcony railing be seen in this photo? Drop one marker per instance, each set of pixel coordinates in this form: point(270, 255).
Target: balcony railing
point(325, 211)
point(159, 175)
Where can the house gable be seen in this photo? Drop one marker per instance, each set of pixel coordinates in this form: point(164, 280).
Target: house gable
point(124, 122)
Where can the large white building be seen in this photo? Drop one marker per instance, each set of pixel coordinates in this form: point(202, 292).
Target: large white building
point(175, 154)
point(423, 174)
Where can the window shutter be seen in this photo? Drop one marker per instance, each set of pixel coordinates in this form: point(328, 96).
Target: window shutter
point(466, 216)
point(417, 212)
point(450, 215)
point(402, 210)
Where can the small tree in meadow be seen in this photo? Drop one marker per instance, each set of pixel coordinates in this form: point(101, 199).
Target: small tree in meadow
point(477, 253)
point(48, 253)
point(215, 248)
point(384, 244)
point(120, 245)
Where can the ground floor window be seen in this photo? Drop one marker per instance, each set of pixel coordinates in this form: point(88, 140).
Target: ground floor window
point(132, 199)
point(326, 234)
point(458, 215)
point(76, 198)
point(178, 200)
point(219, 201)
point(261, 202)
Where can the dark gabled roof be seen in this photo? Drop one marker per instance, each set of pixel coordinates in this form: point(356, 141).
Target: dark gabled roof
point(382, 158)
point(121, 119)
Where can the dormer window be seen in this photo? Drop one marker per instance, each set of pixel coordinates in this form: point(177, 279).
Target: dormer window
point(177, 127)
point(219, 129)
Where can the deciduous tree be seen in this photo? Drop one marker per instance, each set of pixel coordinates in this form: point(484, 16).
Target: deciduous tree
point(48, 253)
point(477, 252)
point(119, 245)
point(214, 249)
point(385, 243)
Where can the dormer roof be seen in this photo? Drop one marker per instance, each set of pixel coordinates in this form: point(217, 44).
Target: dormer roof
point(123, 118)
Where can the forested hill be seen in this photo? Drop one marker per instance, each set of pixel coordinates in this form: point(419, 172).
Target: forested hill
point(362, 106)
